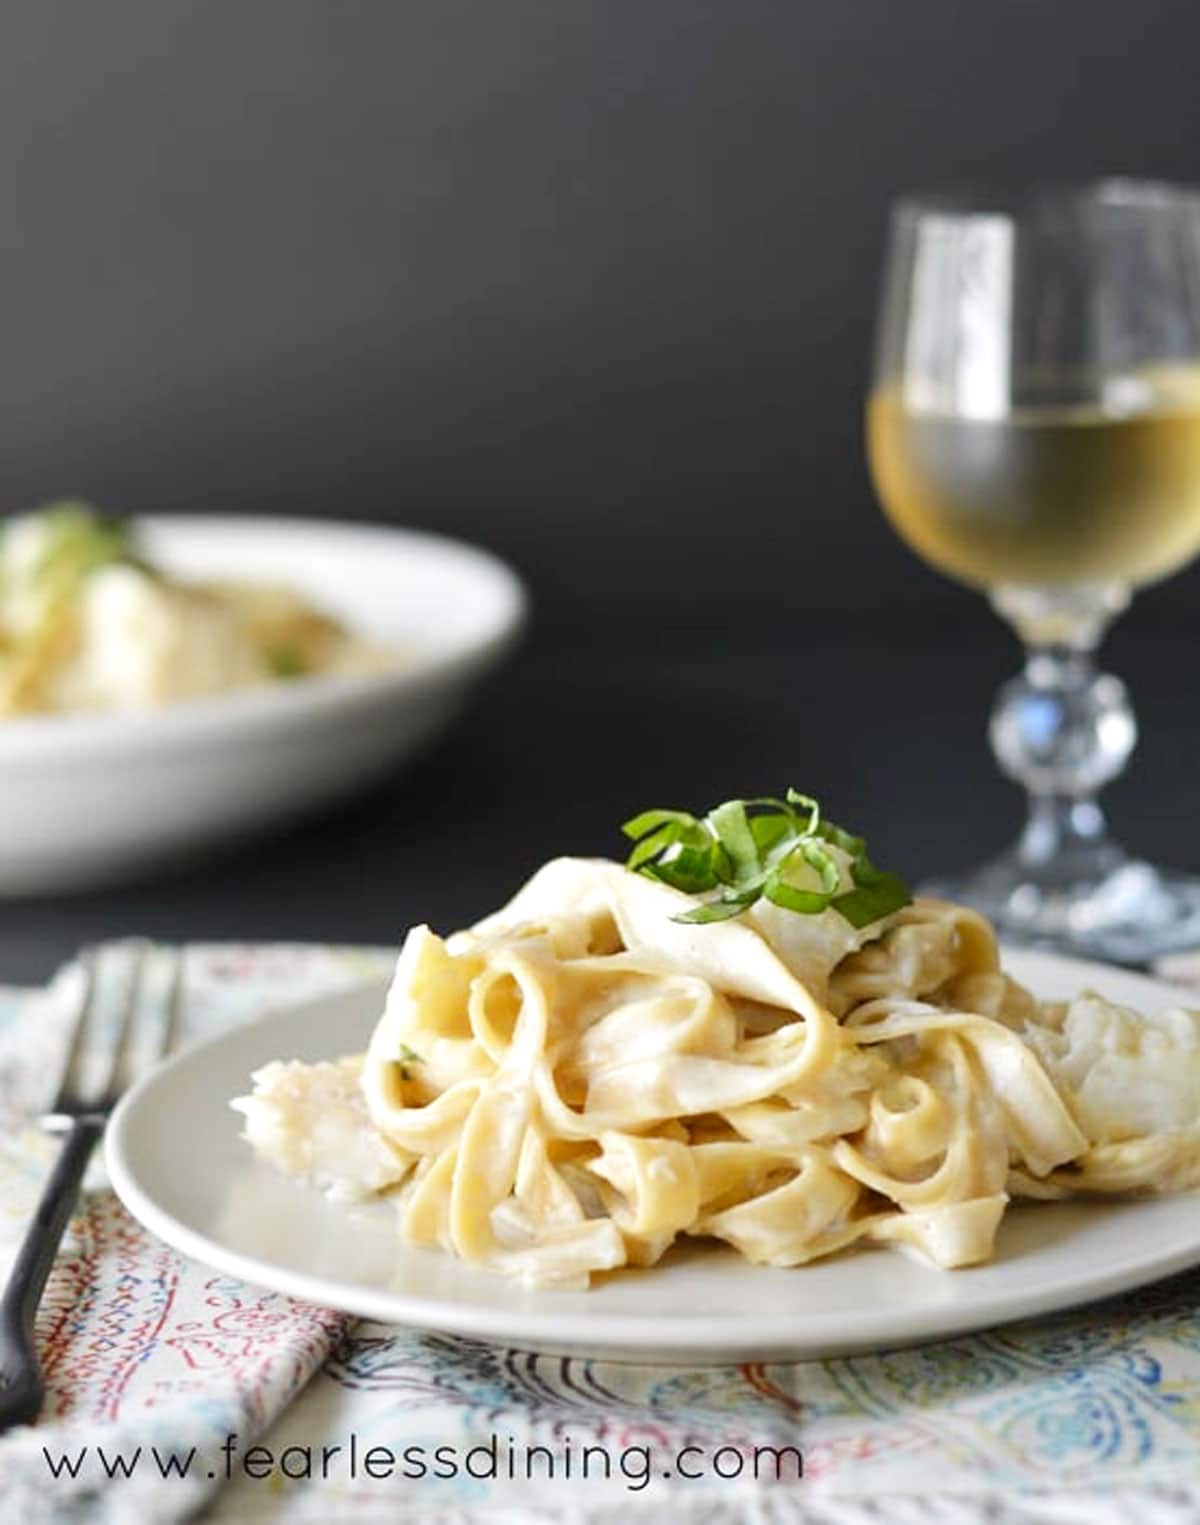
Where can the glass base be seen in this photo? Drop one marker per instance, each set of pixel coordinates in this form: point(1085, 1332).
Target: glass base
point(1131, 915)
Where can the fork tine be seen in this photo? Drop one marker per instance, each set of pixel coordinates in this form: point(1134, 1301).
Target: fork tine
point(168, 1013)
point(120, 1072)
point(79, 1095)
point(72, 1073)
point(170, 1029)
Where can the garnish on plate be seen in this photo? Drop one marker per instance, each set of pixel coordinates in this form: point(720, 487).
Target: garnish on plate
point(762, 848)
point(408, 1056)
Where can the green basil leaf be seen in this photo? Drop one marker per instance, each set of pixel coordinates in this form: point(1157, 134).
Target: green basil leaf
point(686, 868)
point(638, 825)
point(731, 827)
point(652, 844)
point(754, 848)
point(806, 902)
point(721, 909)
point(769, 830)
point(806, 802)
point(871, 902)
point(836, 837)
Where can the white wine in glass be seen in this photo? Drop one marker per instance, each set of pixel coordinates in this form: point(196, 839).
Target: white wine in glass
point(1034, 430)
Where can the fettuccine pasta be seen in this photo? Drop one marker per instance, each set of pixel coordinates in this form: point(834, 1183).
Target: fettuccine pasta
point(579, 1080)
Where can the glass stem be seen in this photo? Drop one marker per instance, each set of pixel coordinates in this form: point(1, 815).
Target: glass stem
point(1059, 829)
point(1063, 729)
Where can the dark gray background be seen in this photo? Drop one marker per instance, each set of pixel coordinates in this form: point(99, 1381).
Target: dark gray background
point(592, 283)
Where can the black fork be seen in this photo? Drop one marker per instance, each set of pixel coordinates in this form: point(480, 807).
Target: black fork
point(79, 1114)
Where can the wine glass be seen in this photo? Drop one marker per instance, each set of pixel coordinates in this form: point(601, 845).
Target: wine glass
point(1034, 430)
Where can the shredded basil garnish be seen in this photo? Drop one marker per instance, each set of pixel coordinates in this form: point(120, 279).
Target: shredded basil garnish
point(407, 1056)
point(771, 848)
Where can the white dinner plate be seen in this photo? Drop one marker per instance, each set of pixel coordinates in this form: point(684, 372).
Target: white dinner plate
point(176, 1160)
point(88, 799)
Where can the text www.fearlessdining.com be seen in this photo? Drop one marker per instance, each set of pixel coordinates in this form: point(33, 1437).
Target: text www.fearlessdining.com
point(500, 1457)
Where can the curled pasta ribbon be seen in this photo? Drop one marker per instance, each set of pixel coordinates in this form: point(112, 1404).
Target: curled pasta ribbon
point(1041, 1130)
point(425, 1217)
point(493, 1133)
point(950, 1235)
point(578, 1081)
point(652, 1190)
point(1161, 1162)
point(797, 1220)
point(928, 945)
point(909, 1123)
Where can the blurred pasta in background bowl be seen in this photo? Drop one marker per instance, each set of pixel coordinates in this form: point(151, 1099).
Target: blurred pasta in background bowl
point(167, 684)
point(87, 623)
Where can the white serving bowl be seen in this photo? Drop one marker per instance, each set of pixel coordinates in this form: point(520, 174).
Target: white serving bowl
point(91, 799)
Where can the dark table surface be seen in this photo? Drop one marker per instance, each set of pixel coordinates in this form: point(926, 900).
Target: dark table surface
point(583, 727)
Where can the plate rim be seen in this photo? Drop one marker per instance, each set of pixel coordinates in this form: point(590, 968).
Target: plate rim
point(644, 1336)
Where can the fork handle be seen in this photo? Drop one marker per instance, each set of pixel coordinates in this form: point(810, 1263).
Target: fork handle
point(22, 1387)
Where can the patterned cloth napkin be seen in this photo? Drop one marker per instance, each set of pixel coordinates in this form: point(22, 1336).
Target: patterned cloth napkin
point(246, 1405)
